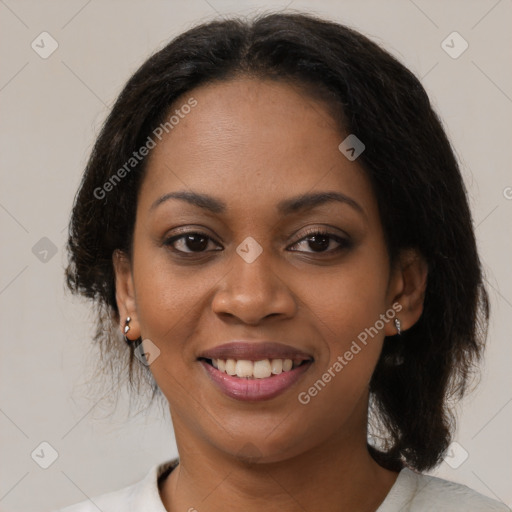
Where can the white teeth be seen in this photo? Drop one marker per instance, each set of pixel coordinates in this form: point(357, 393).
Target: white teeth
point(262, 369)
point(244, 368)
point(231, 367)
point(277, 366)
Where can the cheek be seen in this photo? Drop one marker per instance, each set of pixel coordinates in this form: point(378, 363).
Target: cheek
point(348, 309)
point(166, 296)
point(346, 314)
point(168, 301)
point(352, 296)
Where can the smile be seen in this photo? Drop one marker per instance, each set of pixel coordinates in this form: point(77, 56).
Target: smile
point(263, 369)
point(254, 371)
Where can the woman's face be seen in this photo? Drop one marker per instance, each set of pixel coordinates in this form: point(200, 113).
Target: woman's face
point(243, 266)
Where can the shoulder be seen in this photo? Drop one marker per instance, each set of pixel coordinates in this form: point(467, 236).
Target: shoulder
point(142, 495)
point(423, 493)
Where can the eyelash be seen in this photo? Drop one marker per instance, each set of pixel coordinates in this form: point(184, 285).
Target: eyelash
point(344, 243)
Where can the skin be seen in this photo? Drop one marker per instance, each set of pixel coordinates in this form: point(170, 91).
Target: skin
point(253, 143)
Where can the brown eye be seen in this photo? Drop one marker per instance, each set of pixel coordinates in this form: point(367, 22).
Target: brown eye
point(323, 242)
point(192, 242)
point(319, 243)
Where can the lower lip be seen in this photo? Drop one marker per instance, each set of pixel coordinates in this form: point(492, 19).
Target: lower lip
point(255, 389)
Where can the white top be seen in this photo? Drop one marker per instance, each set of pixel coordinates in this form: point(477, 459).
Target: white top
point(411, 492)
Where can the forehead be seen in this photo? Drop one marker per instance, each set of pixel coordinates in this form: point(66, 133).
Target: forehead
point(252, 141)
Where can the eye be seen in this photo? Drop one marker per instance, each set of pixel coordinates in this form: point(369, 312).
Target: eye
point(194, 241)
point(318, 240)
point(321, 241)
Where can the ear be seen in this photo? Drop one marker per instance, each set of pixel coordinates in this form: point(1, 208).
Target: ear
point(125, 294)
point(407, 288)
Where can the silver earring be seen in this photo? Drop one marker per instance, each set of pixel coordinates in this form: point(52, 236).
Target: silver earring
point(398, 326)
point(126, 329)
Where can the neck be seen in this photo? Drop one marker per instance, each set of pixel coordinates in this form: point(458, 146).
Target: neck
point(338, 475)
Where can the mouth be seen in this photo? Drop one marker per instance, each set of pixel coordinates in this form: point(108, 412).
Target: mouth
point(254, 371)
point(261, 369)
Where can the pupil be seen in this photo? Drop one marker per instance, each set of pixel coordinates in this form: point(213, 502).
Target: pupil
point(194, 246)
point(321, 242)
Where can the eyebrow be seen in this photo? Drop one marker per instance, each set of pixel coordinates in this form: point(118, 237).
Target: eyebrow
point(292, 205)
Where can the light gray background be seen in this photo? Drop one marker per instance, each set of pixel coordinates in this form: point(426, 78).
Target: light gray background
point(51, 110)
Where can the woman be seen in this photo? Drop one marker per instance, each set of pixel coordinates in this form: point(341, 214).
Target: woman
point(275, 219)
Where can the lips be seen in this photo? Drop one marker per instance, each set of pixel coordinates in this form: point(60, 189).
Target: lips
point(255, 351)
point(254, 371)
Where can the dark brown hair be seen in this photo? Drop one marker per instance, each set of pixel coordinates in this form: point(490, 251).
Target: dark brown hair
point(408, 159)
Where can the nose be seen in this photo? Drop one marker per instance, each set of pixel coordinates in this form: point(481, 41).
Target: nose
point(254, 291)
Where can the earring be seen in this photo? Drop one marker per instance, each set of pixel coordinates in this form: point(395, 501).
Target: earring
point(126, 329)
point(397, 325)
